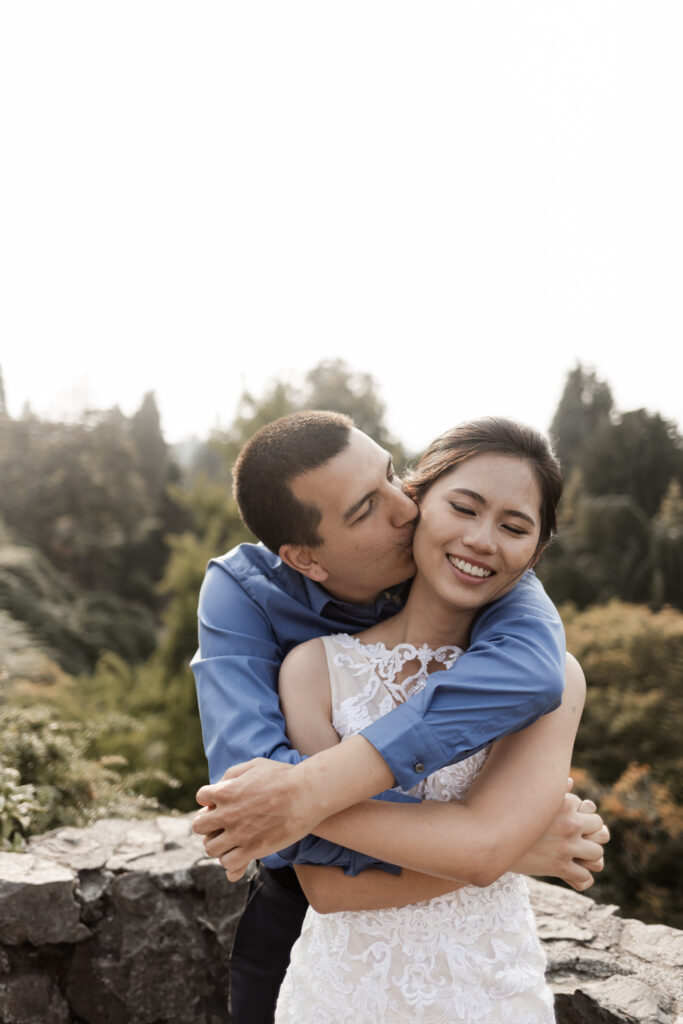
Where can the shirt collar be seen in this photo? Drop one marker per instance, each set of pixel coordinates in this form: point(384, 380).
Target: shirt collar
point(386, 602)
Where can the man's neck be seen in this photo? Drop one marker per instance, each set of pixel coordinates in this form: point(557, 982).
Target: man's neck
point(363, 599)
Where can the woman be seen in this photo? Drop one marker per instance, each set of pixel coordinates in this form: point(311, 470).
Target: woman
point(488, 493)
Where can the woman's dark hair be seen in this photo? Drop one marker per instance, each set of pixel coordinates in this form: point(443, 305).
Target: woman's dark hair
point(275, 455)
point(493, 435)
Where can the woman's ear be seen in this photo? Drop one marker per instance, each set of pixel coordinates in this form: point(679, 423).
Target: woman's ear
point(304, 560)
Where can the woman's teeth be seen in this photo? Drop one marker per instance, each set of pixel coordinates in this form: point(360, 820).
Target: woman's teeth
point(466, 567)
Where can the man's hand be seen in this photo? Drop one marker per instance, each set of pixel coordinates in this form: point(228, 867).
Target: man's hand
point(571, 848)
point(263, 806)
point(251, 812)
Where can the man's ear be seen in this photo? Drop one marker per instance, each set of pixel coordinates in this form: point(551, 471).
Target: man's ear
point(304, 560)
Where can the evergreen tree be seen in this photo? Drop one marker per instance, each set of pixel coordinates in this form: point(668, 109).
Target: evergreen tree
point(637, 456)
point(667, 549)
point(329, 385)
point(152, 450)
point(586, 402)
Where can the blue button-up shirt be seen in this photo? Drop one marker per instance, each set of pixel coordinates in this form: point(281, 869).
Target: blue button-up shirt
point(253, 609)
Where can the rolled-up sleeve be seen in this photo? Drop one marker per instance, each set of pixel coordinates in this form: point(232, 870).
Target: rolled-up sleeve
point(511, 674)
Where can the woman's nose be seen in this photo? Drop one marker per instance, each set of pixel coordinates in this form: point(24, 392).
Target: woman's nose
point(479, 536)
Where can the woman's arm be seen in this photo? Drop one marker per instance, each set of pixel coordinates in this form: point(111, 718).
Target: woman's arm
point(511, 803)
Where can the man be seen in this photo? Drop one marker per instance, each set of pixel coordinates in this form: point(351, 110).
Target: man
point(324, 499)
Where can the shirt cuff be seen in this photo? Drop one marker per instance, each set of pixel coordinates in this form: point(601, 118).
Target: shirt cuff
point(406, 744)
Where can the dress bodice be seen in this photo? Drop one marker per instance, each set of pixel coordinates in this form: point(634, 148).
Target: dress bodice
point(366, 683)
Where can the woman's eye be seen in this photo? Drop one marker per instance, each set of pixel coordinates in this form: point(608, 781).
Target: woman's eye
point(514, 529)
point(463, 509)
point(365, 514)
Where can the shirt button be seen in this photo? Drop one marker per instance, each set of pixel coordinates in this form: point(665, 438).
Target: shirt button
point(419, 767)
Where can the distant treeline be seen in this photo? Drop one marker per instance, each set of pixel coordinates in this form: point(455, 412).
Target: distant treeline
point(105, 533)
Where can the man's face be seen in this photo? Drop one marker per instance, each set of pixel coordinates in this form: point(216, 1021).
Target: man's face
point(367, 522)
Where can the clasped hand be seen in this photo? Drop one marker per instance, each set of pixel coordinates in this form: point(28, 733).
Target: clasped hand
point(259, 807)
point(253, 811)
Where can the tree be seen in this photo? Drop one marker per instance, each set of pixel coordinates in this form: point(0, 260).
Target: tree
point(629, 743)
point(329, 385)
point(637, 456)
point(586, 402)
point(152, 450)
point(667, 549)
point(332, 385)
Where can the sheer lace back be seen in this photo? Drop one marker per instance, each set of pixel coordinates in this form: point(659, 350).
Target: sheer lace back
point(469, 957)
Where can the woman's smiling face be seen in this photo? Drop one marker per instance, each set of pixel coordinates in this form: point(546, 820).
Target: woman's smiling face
point(478, 529)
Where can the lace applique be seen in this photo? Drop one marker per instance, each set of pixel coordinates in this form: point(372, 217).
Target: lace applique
point(380, 665)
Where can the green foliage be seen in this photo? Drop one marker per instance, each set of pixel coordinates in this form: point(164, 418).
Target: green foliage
point(90, 495)
point(620, 528)
point(628, 753)
point(633, 662)
point(19, 808)
point(637, 456)
point(329, 385)
point(72, 624)
point(586, 402)
point(667, 549)
point(216, 528)
point(642, 861)
point(604, 552)
point(50, 778)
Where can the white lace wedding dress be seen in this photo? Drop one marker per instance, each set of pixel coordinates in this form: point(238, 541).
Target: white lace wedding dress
point(469, 957)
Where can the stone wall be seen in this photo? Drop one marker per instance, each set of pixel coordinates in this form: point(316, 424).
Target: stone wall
point(128, 923)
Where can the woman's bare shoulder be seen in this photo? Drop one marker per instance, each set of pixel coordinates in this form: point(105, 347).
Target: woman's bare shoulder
point(304, 668)
point(305, 697)
point(310, 652)
point(575, 681)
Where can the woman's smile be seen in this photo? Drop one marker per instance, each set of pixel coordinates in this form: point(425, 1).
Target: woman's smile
point(471, 571)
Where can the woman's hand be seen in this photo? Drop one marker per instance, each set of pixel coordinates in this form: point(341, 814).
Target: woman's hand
point(571, 848)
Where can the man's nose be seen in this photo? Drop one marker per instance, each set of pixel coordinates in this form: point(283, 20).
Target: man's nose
point(403, 508)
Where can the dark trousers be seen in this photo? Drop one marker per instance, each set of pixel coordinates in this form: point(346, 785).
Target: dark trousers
point(268, 928)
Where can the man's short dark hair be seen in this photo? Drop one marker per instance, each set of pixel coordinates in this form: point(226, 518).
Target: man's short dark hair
point(271, 459)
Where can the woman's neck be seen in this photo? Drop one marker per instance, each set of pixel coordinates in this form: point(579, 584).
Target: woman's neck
point(426, 619)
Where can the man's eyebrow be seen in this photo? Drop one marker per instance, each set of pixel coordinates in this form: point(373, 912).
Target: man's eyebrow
point(475, 496)
point(350, 512)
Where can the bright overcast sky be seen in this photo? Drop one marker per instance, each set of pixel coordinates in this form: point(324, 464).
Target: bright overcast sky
point(462, 199)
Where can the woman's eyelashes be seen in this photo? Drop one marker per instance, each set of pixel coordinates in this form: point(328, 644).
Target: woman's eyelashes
point(462, 508)
point(508, 527)
point(515, 529)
